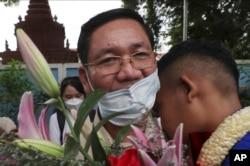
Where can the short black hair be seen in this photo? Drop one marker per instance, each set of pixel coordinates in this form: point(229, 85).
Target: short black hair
point(91, 25)
point(72, 81)
point(212, 53)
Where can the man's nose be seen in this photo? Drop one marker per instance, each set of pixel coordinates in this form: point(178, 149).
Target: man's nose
point(127, 71)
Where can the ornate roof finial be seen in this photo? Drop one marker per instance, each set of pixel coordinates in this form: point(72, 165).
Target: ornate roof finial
point(39, 9)
point(67, 43)
point(6, 46)
point(55, 18)
point(20, 18)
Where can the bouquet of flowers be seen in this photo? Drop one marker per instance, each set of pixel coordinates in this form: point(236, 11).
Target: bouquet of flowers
point(31, 144)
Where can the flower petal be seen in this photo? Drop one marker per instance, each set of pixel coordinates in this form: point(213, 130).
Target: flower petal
point(169, 157)
point(28, 127)
point(160, 140)
point(42, 124)
point(178, 142)
point(146, 159)
point(142, 137)
point(137, 143)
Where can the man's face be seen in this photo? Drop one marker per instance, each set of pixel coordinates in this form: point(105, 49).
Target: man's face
point(121, 37)
point(168, 106)
point(183, 104)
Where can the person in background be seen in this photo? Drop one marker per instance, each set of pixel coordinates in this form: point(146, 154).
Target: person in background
point(73, 94)
point(116, 51)
point(199, 88)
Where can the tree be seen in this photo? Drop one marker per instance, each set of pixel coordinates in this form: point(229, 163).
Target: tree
point(150, 10)
point(14, 81)
point(225, 20)
point(10, 2)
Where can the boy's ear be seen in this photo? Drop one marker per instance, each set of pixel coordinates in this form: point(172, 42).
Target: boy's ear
point(83, 77)
point(190, 86)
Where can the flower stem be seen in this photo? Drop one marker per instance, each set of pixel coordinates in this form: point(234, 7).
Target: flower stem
point(85, 154)
point(64, 110)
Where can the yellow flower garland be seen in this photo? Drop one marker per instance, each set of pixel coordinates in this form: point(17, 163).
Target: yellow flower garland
point(224, 137)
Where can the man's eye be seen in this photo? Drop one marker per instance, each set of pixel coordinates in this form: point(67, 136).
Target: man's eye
point(141, 55)
point(108, 61)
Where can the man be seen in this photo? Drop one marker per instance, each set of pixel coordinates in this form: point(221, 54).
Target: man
point(199, 88)
point(116, 50)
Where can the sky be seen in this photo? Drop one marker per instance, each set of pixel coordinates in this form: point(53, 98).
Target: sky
point(71, 13)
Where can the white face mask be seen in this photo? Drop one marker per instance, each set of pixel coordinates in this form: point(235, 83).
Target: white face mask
point(135, 102)
point(73, 103)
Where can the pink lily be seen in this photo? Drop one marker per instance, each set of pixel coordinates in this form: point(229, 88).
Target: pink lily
point(146, 159)
point(151, 143)
point(178, 142)
point(140, 141)
point(33, 134)
point(171, 151)
point(28, 127)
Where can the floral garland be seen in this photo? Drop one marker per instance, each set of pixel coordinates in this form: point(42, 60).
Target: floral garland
point(224, 137)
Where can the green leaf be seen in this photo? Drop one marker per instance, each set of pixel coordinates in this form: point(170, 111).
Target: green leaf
point(97, 149)
point(86, 108)
point(99, 125)
point(106, 119)
point(121, 134)
point(96, 163)
point(71, 148)
point(52, 102)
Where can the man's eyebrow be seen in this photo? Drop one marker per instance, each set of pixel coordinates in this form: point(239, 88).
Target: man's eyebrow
point(132, 47)
point(137, 45)
point(104, 51)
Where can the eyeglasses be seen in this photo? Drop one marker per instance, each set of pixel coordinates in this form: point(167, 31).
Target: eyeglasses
point(112, 64)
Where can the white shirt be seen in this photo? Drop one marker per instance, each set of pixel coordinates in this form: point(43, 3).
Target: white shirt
point(54, 129)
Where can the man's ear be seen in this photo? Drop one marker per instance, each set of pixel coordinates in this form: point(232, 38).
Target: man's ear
point(190, 86)
point(83, 77)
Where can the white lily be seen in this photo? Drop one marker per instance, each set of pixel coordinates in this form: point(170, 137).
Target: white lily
point(37, 64)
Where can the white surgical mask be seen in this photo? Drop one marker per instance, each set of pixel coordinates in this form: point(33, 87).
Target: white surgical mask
point(73, 103)
point(135, 102)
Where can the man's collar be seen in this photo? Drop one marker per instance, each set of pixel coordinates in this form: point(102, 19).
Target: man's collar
point(197, 139)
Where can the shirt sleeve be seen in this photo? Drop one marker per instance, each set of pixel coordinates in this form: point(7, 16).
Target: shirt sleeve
point(54, 129)
point(242, 144)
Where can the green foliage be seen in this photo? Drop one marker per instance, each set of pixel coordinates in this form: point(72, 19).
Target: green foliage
point(98, 151)
point(9, 3)
point(82, 115)
point(93, 141)
point(12, 155)
point(243, 92)
point(223, 20)
point(14, 81)
point(150, 10)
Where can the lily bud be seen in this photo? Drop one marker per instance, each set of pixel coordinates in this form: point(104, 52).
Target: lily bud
point(37, 64)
